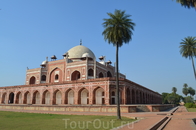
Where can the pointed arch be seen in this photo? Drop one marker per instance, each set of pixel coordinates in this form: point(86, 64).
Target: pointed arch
point(56, 75)
point(128, 96)
point(113, 96)
point(4, 100)
point(19, 98)
point(83, 96)
point(32, 80)
point(98, 96)
point(133, 96)
point(75, 75)
point(140, 97)
point(143, 97)
point(57, 97)
point(46, 97)
point(137, 97)
point(11, 98)
point(109, 74)
point(69, 97)
point(43, 78)
point(101, 75)
point(27, 98)
point(36, 97)
point(90, 72)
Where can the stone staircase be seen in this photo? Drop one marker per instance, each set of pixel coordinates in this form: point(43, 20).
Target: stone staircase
point(142, 108)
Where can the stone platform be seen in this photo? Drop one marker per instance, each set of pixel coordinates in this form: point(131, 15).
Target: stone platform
point(88, 108)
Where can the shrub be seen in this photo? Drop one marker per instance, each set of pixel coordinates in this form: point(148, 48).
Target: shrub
point(190, 105)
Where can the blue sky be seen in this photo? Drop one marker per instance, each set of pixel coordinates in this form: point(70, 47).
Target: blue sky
point(31, 30)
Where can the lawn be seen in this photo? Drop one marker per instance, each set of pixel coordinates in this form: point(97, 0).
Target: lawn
point(34, 121)
point(191, 109)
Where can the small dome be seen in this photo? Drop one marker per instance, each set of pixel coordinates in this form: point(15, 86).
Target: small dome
point(80, 52)
point(53, 57)
point(44, 62)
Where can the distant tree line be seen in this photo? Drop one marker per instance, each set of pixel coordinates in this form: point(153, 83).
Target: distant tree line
point(174, 98)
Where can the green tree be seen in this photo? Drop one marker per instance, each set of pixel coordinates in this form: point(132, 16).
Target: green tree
point(174, 90)
point(185, 91)
point(185, 85)
point(188, 49)
point(164, 98)
point(171, 99)
point(187, 3)
point(188, 99)
point(191, 91)
point(118, 30)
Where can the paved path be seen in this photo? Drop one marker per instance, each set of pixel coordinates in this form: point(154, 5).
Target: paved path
point(181, 119)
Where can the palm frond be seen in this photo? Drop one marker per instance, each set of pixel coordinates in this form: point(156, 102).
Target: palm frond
point(188, 47)
point(118, 28)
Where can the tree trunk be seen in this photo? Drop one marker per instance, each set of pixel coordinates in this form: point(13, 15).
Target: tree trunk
point(117, 85)
point(193, 67)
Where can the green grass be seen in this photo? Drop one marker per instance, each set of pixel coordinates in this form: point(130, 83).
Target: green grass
point(34, 121)
point(191, 109)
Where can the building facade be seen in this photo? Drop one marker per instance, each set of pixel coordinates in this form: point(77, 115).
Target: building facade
point(77, 79)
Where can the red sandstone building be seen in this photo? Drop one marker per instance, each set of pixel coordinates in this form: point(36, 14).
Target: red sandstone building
point(76, 79)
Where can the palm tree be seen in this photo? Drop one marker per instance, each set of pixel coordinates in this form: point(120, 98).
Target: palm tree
point(187, 3)
point(188, 49)
point(118, 30)
point(174, 90)
point(185, 91)
point(191, 91)
point(185, 85)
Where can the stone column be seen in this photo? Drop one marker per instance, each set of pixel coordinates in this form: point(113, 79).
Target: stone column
point(63, 97)
point(123, 96)
point(91, 95)
point(41, 97)
point(51, 97)
point(76, 97)
point(107, 94)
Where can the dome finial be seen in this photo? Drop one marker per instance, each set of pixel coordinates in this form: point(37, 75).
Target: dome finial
point(80, 41)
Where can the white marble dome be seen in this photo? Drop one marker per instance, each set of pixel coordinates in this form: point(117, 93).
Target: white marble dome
point(79, 52)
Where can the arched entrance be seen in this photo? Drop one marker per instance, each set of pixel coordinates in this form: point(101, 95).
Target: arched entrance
point(143, 98)
point(101, 75)
point(113, 97)
point(56, 75)
point(99, 96)
point(141, 101)
point(43, 78)
point(11, 98)
point(32, 80)
point(128, 96)
point(70, 97)
point(133, 96)
point(4, 98)
point(84, 94)
point(27, 98)
point(19, 98)
point(36, 97)
point(109, 74)
point(90, 72)
point(46, 97)
point(57, 97)
point(75, 75)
